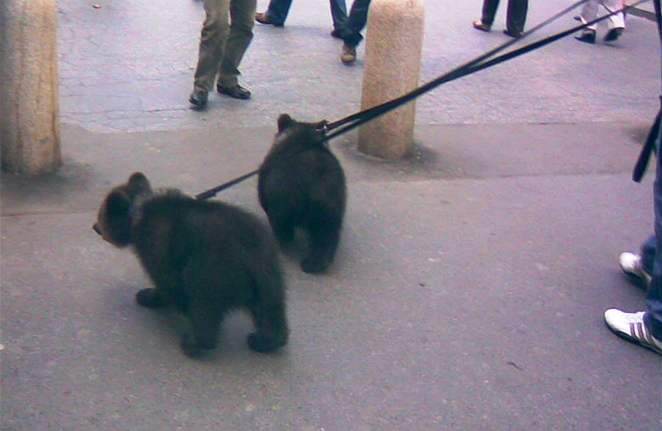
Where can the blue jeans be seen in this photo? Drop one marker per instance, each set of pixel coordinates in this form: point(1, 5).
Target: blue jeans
point(653, 316)
point(358, 17)
point(278, 10)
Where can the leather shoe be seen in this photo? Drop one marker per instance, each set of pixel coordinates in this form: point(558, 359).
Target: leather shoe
point(348, 55)
point(198, 99)
point(480, 25)
point(236, 92)
point(515, 34)
point(263, 18)
point(588, 36)
point(613, 34)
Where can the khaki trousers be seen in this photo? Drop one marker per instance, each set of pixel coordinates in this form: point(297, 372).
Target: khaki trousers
point(226, 34)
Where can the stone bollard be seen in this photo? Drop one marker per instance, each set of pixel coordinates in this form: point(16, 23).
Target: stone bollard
point(392, 64)
point(29, 130)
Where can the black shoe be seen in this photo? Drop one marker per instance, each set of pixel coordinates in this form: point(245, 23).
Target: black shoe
point(613, 34)
point(480, 25)
point(588, 36)
point(263, 18)
point(198, 99)
point(515, 34)
point(236, 92)
point(336, 33)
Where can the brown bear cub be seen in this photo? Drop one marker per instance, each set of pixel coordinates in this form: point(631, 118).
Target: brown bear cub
point(301, 184)
point(206, 258)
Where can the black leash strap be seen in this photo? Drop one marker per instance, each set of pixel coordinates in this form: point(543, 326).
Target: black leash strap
point(654, 133)
point(212, 192)
point(646, 151)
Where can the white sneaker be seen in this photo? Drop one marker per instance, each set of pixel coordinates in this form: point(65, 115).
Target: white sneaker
point(632, 265)
point(631, 327)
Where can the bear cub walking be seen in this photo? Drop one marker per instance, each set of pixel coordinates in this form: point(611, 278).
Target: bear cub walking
point(206, 258)
point(301, 184)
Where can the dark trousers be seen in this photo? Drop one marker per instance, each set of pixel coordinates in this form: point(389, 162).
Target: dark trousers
point(516, 15)
point(653, 316)
point(648, 254)
point(358, 17)
point(278, 10)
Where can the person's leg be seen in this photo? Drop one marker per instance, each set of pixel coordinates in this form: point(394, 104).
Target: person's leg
point(241, 34)
point(489, 11)
point(212, 37)
point(339, 14)
point(653, 316)
point(277, 11)
point(589, 13)
point(645, 328)
point(516, 16)
point(358, 16)
point(648, 249)
point(616, 22)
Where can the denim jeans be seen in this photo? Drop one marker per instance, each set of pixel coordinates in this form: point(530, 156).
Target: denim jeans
point(358, 17)
point(278, 10)
point(653, 316)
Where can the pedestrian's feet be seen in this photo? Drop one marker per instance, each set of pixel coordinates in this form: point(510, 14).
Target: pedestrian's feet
point(236, 91)
point(613, 34)
point(336, 33)
point(515, 34)
point(198, 99)
point(633, 266)
point(587, 36)
point(480, 25)
point(348, 55)
point(263, 18)
point(631, 326)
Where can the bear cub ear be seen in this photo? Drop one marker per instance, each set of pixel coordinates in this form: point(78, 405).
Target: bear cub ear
point(117, 204)
point(284, 121)
point(138, 183)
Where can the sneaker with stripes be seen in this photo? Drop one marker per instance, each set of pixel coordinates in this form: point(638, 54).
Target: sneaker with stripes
point(631, 327)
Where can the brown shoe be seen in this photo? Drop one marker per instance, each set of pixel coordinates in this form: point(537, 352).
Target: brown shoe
point(262, 18)
point(480, 25)
point(348, 55)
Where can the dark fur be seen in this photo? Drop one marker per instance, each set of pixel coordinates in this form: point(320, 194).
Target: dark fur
point(302, 184)
point(204, 257)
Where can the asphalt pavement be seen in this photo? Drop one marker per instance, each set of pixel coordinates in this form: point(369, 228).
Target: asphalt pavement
point(471, 278)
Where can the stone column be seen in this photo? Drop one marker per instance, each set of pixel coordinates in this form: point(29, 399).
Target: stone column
point(394, 41)
point(29, 130)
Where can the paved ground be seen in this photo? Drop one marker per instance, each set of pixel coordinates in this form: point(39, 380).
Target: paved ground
point(470, 283)
point(128, 67)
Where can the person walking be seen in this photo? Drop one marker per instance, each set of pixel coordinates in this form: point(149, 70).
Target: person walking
point(645, 327)
point(277, 11)
point(616, 22)
point(351, 33)
point(226, 34)
point(515, 16)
